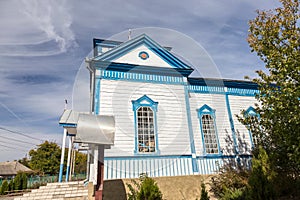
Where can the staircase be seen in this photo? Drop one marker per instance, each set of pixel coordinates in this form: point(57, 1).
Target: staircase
point(58, 191)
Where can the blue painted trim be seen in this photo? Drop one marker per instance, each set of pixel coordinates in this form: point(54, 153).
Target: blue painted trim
point(61, 168)
point(67, 173)
point(68, 125)
point(137, 77)
point(151, 44)
point(223, 83)
point(220, 90)
point(149, 156)
point(251, 112)
point(142, 69)
point(236, 150)
point(190, 127)
point(143, 55)
point(205, 109)
point(97, 96)
point(145, 101)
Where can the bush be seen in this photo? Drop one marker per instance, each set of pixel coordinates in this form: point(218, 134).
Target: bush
point(4, 187)
point(24, 181)
point(231, 181)
point(204, 194)
point(18, 182)
point(260, 185)
point(11, 185)
point(145, 189)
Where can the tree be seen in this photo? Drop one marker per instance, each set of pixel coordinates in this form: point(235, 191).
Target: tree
point(145, 189)
point(204, 193)
point(46, 158)
point(275, 36)
point(80, 163)
point(4, 187)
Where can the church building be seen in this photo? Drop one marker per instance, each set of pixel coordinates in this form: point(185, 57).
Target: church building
point(167, 123)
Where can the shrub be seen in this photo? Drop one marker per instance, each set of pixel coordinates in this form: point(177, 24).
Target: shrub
point(4, 187)
point(11, 185)
point(145, 189)
point(204, 194)
point(24, 181)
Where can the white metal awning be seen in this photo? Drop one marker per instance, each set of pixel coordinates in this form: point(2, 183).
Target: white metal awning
point(89, 128)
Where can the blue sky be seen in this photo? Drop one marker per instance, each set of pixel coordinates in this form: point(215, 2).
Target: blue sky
point(43, 45)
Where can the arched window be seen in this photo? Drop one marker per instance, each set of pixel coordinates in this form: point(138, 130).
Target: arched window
point(146, 136)
point(251, 112)
point(146, 140)
point(208, 128)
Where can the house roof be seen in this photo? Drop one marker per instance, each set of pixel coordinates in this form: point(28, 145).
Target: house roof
point(127, 46)
point(12, 168)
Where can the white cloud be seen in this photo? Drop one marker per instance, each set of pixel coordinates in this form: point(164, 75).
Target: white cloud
point(38, 28)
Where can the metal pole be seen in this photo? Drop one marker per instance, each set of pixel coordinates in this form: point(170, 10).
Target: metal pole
point(88, 164)
point(69, 158)
point(63, 146)
point(100, 173)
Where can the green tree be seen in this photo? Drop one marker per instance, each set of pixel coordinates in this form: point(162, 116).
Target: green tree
point(145, 189)
point(24, 181)
point(4, 187)
point(46, 158)
point(204, 193)
point(11, 185)
point(274, 35)
point(18, 182)
point(261, 178)
point(80, 163)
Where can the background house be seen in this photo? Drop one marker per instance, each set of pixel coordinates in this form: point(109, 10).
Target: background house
point(10, 169)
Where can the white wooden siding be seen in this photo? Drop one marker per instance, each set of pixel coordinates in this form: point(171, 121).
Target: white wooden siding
point(237, 104)
point(173, 135)
point(132, 57)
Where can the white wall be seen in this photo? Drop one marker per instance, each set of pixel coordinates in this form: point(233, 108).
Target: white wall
point(132, 57)
point(173, 135)
point(237, 104)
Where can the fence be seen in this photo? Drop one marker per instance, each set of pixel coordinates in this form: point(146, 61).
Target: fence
point(35, 181)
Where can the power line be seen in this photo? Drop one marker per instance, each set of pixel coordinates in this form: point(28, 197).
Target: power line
point(19, 133)
point(5, 142)
point(16, 140)
point(3, 145)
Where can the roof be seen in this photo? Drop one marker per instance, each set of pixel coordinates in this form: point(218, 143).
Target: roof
point(10, 168)
point(89, 128)
point(151, 44)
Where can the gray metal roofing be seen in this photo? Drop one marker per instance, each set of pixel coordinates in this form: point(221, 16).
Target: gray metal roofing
point(12, 168)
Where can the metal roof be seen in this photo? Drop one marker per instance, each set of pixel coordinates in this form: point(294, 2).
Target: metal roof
point(89, 128)
point(11, 168)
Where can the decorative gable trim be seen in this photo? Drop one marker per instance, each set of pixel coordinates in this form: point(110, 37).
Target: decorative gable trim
point(144, 101)
point(151, 44)
point(205, 109)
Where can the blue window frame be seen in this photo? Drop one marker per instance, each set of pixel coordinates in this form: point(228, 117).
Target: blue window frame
point(145, 123)
point(208, 129)
point(251, 112)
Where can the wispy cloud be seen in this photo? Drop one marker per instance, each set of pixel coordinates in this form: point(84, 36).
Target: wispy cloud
point(52, 29)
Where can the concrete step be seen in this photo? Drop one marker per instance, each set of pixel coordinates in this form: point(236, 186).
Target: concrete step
point(70, 190)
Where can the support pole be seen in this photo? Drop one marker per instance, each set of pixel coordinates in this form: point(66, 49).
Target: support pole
point(100, 173)
point(69, 159)
point(88, 163)
point(63, 146)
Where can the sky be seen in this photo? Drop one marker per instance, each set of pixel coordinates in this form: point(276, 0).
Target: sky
point(43, 45)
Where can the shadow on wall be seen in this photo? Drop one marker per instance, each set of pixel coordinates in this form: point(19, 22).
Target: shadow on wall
point(114, 190)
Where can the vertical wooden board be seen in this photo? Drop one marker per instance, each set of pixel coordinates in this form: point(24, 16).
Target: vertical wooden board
point(239, 103)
